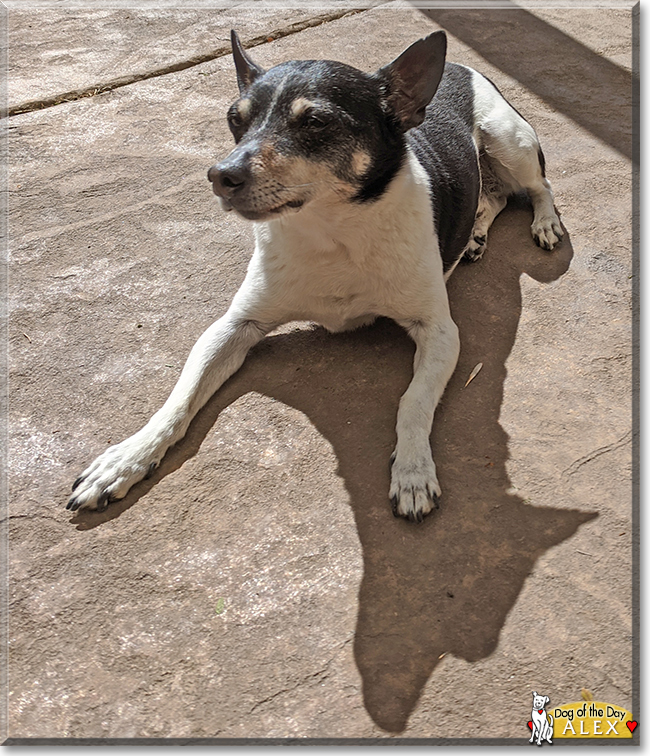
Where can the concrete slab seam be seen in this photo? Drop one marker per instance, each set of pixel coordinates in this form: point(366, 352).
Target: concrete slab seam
point(123, 81)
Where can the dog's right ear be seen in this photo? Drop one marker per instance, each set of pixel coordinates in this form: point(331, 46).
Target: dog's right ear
point(534, 694)
point(414, 76)
point(247, 69)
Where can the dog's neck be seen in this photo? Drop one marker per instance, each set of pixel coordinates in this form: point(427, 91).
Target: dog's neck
point(330, 224)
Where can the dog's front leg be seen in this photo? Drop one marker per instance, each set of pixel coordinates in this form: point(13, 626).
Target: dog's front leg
point(414, 487)
point(217, 354)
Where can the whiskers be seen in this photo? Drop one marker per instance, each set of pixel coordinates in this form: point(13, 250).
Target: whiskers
point(341, 189)
point(298, 186)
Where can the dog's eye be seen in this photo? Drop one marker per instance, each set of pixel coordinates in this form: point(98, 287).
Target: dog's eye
point(235, 119)
point(315, 121)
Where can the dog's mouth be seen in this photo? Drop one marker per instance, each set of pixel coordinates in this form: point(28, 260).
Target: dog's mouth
point(254, 213)
point(293, 204)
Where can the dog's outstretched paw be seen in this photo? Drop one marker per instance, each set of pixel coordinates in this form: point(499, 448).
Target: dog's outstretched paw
point(475, 249)
point(414, 490)
point(547, 232)
point(113, 474)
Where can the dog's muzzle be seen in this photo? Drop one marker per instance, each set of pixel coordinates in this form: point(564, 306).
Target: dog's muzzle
point(233, 182)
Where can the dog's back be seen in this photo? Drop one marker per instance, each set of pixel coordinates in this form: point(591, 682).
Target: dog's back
point(445, 148)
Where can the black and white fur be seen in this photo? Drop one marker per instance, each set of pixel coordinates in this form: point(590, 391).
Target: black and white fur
point(365, 191)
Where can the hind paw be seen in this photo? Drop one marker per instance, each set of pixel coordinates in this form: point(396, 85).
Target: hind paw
point(475, 249)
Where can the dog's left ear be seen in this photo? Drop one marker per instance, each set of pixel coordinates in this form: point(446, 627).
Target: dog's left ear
point(546, 700)
point(414, 77)
point(247, 69)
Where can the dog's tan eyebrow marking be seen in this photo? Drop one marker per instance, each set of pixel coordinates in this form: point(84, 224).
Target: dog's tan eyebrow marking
point(299, 105)
point(244, 107)
point(360, 162)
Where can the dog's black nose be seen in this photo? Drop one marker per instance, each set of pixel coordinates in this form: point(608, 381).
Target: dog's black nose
point(227, 178)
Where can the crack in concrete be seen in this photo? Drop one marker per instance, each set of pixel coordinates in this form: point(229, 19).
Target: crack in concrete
point(4, 520)
point(196, 60)
point(626, 438)
point(319, 676)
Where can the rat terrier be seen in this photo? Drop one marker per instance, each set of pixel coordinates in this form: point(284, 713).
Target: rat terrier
point(365, 191)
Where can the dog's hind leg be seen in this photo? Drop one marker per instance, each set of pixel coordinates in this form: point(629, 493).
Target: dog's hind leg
point(519, 161)
point(528, 171)
point(516, 157)
point(492, 200)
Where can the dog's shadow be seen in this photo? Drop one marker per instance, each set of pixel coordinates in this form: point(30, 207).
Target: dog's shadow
point(445, 586)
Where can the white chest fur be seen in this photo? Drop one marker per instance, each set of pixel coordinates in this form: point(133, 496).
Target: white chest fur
point(334, 261)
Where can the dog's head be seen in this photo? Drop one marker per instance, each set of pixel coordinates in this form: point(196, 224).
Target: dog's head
point(318, 130)
point(539, 702)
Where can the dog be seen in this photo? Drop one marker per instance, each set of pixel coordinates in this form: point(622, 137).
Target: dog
point(542, 722)
point(365, 191)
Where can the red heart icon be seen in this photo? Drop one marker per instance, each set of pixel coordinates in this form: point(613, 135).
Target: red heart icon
point(631, 726)
point(530, 724)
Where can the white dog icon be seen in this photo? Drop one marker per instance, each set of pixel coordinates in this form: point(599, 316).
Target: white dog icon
point(542, 722)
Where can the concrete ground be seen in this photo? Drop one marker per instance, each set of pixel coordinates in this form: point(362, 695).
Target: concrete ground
point(258, 585)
